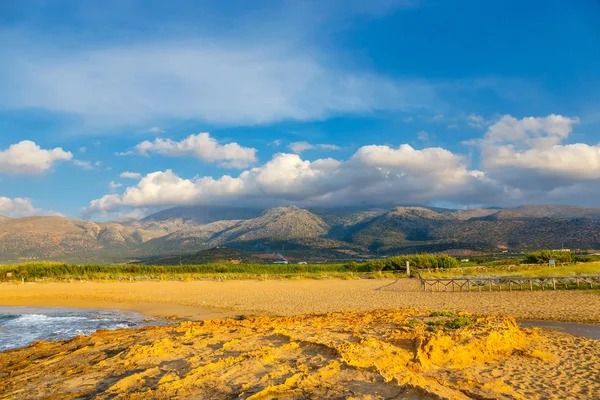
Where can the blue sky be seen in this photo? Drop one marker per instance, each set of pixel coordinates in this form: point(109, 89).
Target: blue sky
point(449, 103)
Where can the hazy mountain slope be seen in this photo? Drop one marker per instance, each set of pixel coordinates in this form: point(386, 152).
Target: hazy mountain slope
point(214, 255)
point(402, 225)
point(344, 221)
point(201, 215)
point(189, 239)
point(276, 223)
point(325, 233)
point(55, 237)
point(529, 233)
point(557, 211)
point(473, 213)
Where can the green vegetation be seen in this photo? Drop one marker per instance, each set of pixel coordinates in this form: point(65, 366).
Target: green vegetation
point(437, 266)
point(542, 257)
point(458, 323)
point(413, 323)
point(398, 263)
point(441, 314)
point(42, 271)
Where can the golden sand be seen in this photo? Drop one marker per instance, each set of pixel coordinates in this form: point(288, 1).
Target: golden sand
point(210, 299)
point(354, 355)
point(361, 355)
point(360, 351)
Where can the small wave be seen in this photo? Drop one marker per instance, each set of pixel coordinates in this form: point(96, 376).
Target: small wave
point(20, 329)
point(40, 319)
point(8, 317)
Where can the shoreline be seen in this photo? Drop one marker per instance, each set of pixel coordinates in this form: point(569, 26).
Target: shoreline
point(202, 300)
point(147, 309)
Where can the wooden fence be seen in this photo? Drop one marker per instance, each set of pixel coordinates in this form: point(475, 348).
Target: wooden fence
point(499, 283)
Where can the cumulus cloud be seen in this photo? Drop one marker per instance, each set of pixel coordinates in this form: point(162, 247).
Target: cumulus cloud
point(299, 147)
point(19, 207)
point(528, 154)
point(535, 132)
point(130, 175)
point(203, 147)
point(27, 158)
point(374, 174)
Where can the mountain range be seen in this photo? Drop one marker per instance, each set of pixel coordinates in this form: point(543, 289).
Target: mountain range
point(314, 234)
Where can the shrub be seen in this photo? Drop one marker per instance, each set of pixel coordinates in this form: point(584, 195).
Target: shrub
point(441, 314)
point(542, 257)
point(458, 323)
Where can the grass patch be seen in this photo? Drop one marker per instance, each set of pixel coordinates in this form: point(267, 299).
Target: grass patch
point(55, 271)
point(458, 323)
point(441, 314)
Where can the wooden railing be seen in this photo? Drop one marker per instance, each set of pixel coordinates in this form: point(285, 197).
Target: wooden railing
point(499, 283)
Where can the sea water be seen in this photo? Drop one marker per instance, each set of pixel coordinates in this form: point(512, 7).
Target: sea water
point(21, 326)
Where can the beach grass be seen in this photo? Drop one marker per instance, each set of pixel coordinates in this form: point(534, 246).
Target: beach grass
point(56, 271)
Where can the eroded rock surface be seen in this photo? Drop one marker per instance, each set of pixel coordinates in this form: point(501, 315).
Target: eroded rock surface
point(362, 355)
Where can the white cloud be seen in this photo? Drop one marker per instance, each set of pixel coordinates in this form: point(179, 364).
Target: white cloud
point(27, 158)
point(219, 82)
point(299, 147)
point(438, 117)
point(124, 153)
point(83, 164)
point(375, 174)
point(82, 149)
point(329, 146)
point(577, 161)
point(203, 147)
point(19, 207)
point(114, 185)
point(535, 132)
point(130, 175)
point(528, 154)
point(423, 136)
point(155, 130)
point(275, 143)
point(476, 121)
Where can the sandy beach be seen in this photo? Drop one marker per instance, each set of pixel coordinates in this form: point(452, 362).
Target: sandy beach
point(270, 339)
point(210, 299)
point(387, 354)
